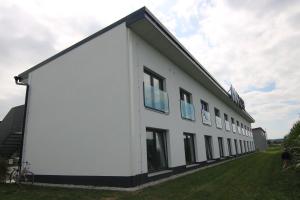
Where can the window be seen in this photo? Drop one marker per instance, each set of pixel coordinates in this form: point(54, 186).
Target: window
point(227, 126)
point(236, 148)
point(208, 147)
point(189, 147)
point(241, 146)
point(186, 106)
point(218, 118)
point(245, 146)
point(205, 113)
point(221, 148)
point(225, 117)
point(233, 125)
point(154, 95)
point(204, 106)
point(242, 128)
point(217, 112)
point(229, 146)
point(238, 126)
point(156, 150)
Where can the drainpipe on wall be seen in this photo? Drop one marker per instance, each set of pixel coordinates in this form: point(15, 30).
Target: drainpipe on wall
point(18, 82)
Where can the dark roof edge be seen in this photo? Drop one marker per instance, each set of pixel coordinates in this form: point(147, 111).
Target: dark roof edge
point(259, 128)
point(131, 17)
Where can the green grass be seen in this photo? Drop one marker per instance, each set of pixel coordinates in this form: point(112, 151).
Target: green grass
point(258, 176)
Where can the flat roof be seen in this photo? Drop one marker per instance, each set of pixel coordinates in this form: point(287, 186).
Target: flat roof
point(144, 19)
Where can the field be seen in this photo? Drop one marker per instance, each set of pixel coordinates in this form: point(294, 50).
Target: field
point(257, 176)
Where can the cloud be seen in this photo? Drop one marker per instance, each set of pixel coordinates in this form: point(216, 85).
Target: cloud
point(253, 45)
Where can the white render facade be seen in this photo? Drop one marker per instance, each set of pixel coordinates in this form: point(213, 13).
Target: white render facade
point(87, 120)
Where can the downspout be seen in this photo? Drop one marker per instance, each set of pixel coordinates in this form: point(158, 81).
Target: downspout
point(18, 82)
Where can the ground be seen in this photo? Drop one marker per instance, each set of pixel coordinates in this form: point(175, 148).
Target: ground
point(257, 176)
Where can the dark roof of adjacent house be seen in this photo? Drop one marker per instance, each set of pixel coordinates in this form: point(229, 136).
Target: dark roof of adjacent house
point(258, 128)
point(145, 24)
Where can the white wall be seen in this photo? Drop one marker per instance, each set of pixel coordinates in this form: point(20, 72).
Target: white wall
point(78, 120)
point(145, 55)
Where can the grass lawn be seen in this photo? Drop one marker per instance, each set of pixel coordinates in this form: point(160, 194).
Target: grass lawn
point(258, 176)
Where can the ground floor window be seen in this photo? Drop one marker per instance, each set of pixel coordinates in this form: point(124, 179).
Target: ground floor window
point(245, 146)
point(221, 148)
point(229, 146)
point(236, 147)
point(208, 146)
point(189, 147)
point(241, 146)
point(156, 149)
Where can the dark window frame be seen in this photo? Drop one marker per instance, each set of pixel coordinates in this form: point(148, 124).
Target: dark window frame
point(221, 147)
point(155, 132)
point(190, 101)
point(229, 146)
point(217, 112)
point(193, 155)
point(162, 87)
point(209, 147)
point(204, 105)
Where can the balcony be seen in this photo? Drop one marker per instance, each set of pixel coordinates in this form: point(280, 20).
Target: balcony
point(233, 128)
point(187, 110)
point(206, 117)
point(156, 99)
point(218, 122)
point(227, 126)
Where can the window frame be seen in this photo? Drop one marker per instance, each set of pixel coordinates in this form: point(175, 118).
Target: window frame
point(190, 97)
point(221, 150)
point(192, 136)
point(211, 156)
point(162, 86)
point(155, 132)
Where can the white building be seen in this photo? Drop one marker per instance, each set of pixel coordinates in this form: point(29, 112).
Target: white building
point(127, 105)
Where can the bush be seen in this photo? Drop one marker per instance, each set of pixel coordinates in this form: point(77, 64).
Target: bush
point(3, 169)
point(292, 143)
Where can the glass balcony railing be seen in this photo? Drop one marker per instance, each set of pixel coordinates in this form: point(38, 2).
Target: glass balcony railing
point(218, 122)
point(155, 98)
point(187, 110)
point(206, 117)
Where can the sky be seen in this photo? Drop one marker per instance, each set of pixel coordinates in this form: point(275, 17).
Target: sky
point(253, 45)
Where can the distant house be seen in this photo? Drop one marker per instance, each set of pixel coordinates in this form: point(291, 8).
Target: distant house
point(125, 106)
point(260, 139)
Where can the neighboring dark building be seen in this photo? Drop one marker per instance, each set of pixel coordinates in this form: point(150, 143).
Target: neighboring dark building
point(260, 139)
point(11, 131)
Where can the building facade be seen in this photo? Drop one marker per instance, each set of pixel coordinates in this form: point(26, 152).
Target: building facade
point(260, 139)
point(126, 106)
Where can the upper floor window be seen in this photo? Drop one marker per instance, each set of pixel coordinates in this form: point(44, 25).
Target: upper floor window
point(233, 125)
point(218, 118)
point(205, 113)
point(155, 96)
point(225, 117)
point(204, 106)
point(227, 126)
point(186, 106)
point(217, 112)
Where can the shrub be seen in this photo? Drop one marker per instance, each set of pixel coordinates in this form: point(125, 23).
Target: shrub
point(292, 143)
point(3, 169)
